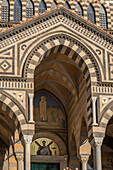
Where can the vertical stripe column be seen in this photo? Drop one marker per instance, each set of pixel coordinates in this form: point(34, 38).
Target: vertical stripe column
point(111, 16)
point(12, 10)
point(96, 9)
point(84, 6)
point(24, 10)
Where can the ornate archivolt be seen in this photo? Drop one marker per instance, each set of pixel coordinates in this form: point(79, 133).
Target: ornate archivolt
point(26, 45)
point(79, 28)
point(11, 111)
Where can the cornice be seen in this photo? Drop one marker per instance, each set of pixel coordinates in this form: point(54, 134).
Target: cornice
point(56, 15)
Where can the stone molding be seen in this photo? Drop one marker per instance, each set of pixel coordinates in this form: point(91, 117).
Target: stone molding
point(27, 139)
point(97, 141)
point(60, 15)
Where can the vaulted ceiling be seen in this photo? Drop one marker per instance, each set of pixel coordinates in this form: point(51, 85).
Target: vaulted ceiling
point(59, 75)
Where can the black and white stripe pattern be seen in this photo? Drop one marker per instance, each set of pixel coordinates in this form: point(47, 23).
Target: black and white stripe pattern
point(72, 50)
point(13, 111)
point(72, 4)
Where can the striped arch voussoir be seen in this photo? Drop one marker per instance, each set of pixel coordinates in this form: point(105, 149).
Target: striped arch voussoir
point(69, 47)
point(12, 110)
point(107, 113)
point(72, 49)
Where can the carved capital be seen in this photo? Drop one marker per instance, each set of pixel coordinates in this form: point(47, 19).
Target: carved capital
point(96, 142)
point(94, 99)
point(31, 95)
point(84, 158)
point(19, 156)
point(28, 139)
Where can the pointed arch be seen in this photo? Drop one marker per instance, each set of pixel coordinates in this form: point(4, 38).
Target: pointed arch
point(79, 10)
point(103, 17)
point(5, 11)
point(17, 11)
point(53, 5)
point(29, 9)
point(91, 14)
point(67, 5)
point(42, 7)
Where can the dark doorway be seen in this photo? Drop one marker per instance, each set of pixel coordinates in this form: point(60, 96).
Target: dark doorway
point(45, 166)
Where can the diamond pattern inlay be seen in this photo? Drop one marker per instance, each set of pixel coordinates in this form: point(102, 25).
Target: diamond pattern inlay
point(5, 65)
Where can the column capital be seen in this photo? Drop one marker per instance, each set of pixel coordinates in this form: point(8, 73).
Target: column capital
point(94, 99)
point(31, 95)
point(97, 141)
point(84, 158)
point(19, 156)
point(28, 139)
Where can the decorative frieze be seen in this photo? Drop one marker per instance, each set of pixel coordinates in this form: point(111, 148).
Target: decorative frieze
point(60, 15)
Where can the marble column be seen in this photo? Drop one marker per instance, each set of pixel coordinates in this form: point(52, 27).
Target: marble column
point(84, 160)
point(31, 107)
point(27, 143)
point(94, 109)
point(19, 157)
point(96, 145)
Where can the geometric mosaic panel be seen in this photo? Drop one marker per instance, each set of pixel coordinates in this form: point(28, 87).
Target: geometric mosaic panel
point(5, 65)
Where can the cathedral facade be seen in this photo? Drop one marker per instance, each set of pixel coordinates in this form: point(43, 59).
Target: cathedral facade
point(56, 85)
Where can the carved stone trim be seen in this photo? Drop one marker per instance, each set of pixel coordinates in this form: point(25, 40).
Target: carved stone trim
point(60, 15)
point(84, 158)
point(27, 139)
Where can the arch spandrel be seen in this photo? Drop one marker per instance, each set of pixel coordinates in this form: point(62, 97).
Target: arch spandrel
point(10, 109)
point(68, 44)
point(78, 33)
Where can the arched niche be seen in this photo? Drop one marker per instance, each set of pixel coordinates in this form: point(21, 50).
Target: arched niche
point(48, 111)
point(55, 138)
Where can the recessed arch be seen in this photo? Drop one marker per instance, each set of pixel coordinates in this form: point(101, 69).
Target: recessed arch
point(42, 7)
point(5, 10)
point(29, 9)
point(91, 13)
point(78, 9)
point(17, 11)
point(78, 52)
point(58, 44)
point(55, 138)
point(103, 17)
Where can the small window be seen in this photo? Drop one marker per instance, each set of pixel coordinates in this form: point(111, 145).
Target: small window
point(91, 14)
point(53, 5)
point(103, 17)
point(29, 9)
point(42, 7)
point(5, 11)
point(17, 11)
point(78, 9)
point(67, 5)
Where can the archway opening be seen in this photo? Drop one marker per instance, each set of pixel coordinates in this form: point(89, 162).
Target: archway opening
point(7, 131)
point(60, 101)
point(107, 147)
